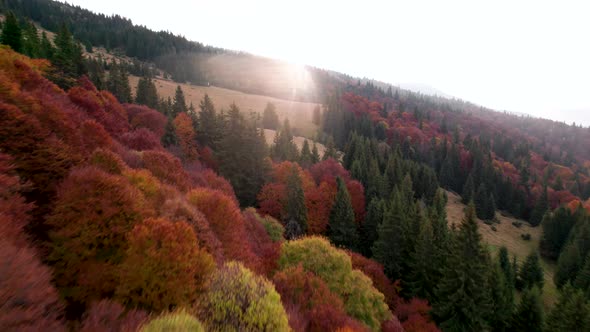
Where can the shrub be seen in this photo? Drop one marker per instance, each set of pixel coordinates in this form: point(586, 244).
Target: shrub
point(239, 300)
point(175, 322)
point(163, 266)
point(517, 224)
point(525, 236)
point(107, 315)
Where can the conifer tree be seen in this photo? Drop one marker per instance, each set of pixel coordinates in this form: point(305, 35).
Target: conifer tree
point(317, 116)
point(315, 155)
point(422, 279)
point(468, 192)
point(502, 298)
point(506, 266)
point(387, 250)
point(147, 94)
point(169, 138)
point(570, 313)
point(11, 32)
point(209, 126)
point(31, 45)
point(583, 278)
point(373, 219)
point(481, 201)
point(46, 48)
point(531, 273)
point(541, 206)
point(296, 209)
point(528, 316)
point(305, 159)
point(330, 150)
point(463, 299)
point(270, 119)
point(342, 228)
point(179, 105)
point(283, 148)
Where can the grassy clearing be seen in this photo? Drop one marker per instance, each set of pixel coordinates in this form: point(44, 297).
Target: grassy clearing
point(508, 235)
point(298, 113)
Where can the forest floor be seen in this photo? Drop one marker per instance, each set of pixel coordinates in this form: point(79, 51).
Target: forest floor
point(298, 113)
point(509, 235)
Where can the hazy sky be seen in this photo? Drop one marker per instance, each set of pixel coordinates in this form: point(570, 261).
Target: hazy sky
point(523, 56)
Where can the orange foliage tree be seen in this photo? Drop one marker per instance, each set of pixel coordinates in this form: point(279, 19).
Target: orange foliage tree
point(183, 125)
point(163, 267)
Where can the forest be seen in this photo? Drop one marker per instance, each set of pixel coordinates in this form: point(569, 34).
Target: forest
point(122, 210)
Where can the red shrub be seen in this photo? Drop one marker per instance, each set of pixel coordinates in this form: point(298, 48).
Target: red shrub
point(94, 136)
point(13, 208)
point(414, 315)
point(328, 170)
point(141, 139)
point(93, 212)
point(226, 221)
point(28, 301)
point(319, 203)
point(374, 271)
point(272, 199)
point(262, 245)
point(166, 167)
point(145, 117)
point(209, 179)
point(107, 316)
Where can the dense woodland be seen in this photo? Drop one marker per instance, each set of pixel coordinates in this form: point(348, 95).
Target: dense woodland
point(122, 210)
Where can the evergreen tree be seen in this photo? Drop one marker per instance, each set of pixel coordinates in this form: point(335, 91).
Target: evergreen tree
point(179, 105)
point(296, 209)
point(505, 265)
point(209, 126)
point(270, 119)
point(242, 156)
point(316, 118)
point(463, 299)
point(481, 201)
point(67, 60)
point(11, 32)
point(541, 207)
point(147, 94)
point(531, 273)
point(330, 150)
point(423, 267)
point(387, 250)
point(570, 313)
point(556, 229)
point(374, 217)
point(342, 227)
point(283, 148)
point(582, 281)
point(528, 316)
point(315, 155)
point(118, 83)
point(305, 160)
point(169, 138)
point(31, 45)
point(46, 48)
point(502, 298)
point(468, 192)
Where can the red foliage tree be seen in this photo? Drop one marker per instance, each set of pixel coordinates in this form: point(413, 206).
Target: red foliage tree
point(226, 221)
point(107, 316)
point(328, 170)
point(94, 136)
point(93, 212)
point(28, 301)
point(374, 271)
point(415, 315)
point(209, 179)
point(163, 267)
point(272, 200)
point(319, 203)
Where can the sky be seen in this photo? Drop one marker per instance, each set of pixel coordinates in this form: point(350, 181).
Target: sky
point(521, 56)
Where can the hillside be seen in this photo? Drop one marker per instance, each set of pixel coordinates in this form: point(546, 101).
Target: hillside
point(509, 236)
point(298, 113)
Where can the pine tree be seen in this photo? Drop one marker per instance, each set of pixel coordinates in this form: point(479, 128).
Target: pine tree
point(330, 150)
point(169, 138)
point(67, 59)
point(11, 32)
point(481, 201)
point(31, 45)
point(387, 250)
point(147, 94)
point(528, 316)
point(374, 217)
point(468, 192)
point(283, 148)
point(296, 209)
point(541, 207)
point(179, 105)
point(305, 159)
point(582, 281)
point(463, 299)
point(342, 227)
point(315, 155)
point(506, 266)
point(209, 126)
point(270, 119)
point(531, 273)
point(423, 267)
point(502, 297)
point(571, 313)
point(46, 49)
